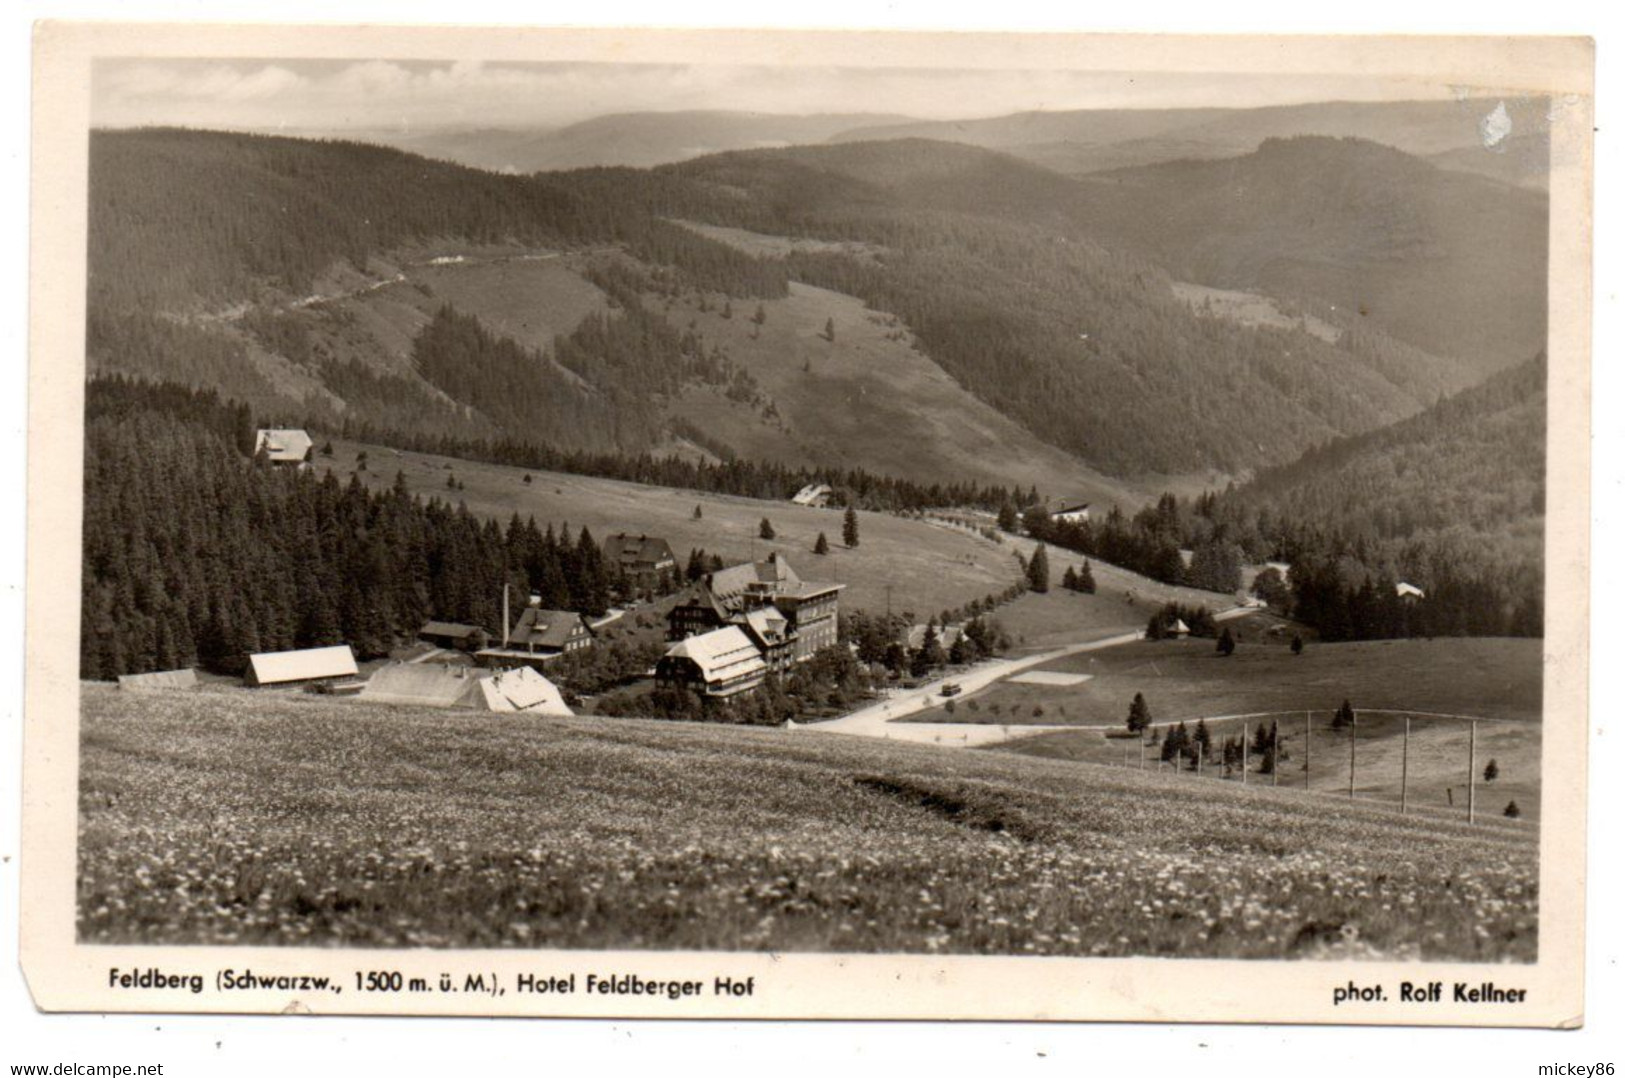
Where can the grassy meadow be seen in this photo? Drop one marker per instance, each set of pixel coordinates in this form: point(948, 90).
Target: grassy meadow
point(1187, 679)
point(1499, 680)
point(929, 568)
point(234, 817)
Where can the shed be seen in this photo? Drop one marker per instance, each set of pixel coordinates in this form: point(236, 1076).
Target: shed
point(453, 634)
point(159, 681)
point(294, 667)
point(817, 495)
point(283, 446)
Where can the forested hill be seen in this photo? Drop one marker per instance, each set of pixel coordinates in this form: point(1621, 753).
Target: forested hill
point(203, 247)
point(1475, 462)
point(1355, 232)
point(1452, 263)
point(187, 219)
point(985, 259)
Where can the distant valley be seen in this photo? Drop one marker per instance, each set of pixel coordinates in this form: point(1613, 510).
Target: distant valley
point(926, 309)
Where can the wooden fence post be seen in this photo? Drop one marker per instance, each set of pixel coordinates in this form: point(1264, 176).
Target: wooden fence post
point(1352, 720)
point(1244, 752)
point(1308, 736)
point(1405, 770)
point(1275, 753)
point(1472, 764)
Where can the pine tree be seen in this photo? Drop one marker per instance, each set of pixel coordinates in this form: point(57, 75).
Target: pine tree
point(849, 527)
point(1086, 578)
point(1204, 738)
point(1069, 579)
point(1227, 643)
point(1009, 520)
point(1297, 644)
point(822, 545)
point(699, 514)
point(1491, 771)
point(760, 317)
point(1511, 812)
point(1139, 714)
point(765, 530)
point(829, 329)
point(1038, 570)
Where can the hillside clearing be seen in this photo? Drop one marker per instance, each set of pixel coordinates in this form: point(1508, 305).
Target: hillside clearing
point(869, 397)
point(927, 568)
point(229, 817)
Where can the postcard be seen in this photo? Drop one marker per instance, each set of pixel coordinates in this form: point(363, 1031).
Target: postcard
point(747, 524)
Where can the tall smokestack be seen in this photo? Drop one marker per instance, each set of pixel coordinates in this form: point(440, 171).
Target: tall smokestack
point(504, 614)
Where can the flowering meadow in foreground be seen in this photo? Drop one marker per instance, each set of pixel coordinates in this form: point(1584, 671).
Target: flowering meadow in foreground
point(222, 817)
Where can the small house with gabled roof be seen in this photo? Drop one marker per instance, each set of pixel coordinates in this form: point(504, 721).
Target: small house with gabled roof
point(641, 558)
point(282, 446)
point(539, 637)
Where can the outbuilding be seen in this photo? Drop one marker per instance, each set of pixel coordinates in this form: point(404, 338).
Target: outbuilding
point(281, 446)
point(159, 681)
point(453, 635)
point(306, 666)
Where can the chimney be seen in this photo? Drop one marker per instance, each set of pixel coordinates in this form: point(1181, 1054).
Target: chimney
point(505, 621)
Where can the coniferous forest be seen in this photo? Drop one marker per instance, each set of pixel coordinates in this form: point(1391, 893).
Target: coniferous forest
point(197, 554)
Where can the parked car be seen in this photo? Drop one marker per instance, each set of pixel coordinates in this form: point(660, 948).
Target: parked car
point(951, 689)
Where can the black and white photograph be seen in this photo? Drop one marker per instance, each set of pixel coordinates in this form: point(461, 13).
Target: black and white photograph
point(713, 503)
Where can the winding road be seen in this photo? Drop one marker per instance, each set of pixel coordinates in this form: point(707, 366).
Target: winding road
point(881, 719)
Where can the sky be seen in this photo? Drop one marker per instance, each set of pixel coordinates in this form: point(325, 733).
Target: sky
point(409, 96)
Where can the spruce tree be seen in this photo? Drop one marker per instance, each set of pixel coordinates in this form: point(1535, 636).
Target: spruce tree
point(822, 545)
point(1069, 579)
point(1297, 644)
point(1491, 771)
point(1086, 578)
point(765, 530)
point(849, 527)
point(1139, 714)
point(1038, 570)
point(1227, 643)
